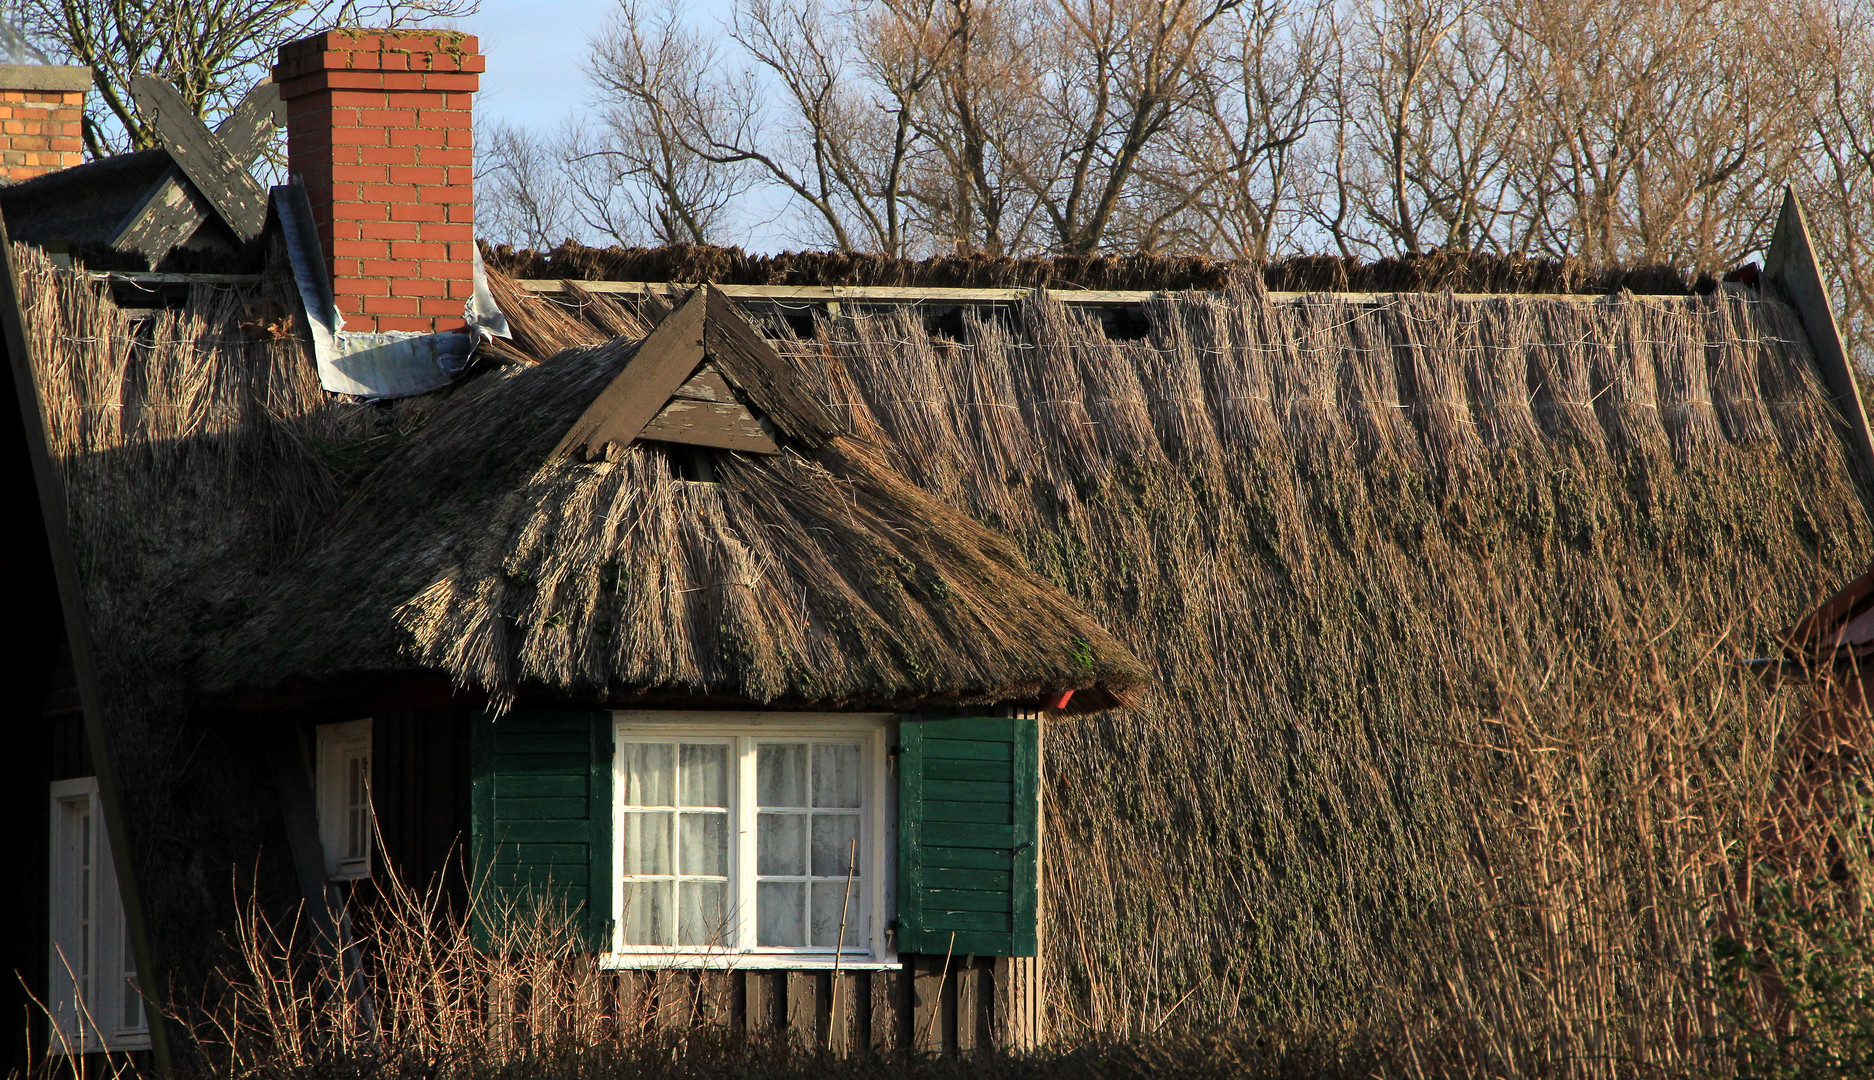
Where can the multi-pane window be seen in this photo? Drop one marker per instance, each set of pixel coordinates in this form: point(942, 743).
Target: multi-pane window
point(808, 812)
point(346, 829)
point(759, 841)
point(94, 1001)
point(675, 842)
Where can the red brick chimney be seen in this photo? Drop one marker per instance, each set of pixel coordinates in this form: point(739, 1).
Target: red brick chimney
point(42, 112)
point(379, 126)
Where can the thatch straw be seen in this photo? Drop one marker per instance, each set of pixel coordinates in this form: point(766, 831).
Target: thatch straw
point(198, 451)
point(797, 580)
point(1323, 523)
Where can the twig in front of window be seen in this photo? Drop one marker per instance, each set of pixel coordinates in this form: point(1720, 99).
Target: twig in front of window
point(839, 943)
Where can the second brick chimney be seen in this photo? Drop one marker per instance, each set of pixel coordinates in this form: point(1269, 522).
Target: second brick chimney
point(380, 128)
point(42, 114)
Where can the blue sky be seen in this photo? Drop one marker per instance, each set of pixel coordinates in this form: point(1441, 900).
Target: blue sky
point(536, 51)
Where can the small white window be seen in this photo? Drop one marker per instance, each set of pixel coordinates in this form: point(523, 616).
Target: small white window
point(752, 838)
point(346, 826)
point(92, 972)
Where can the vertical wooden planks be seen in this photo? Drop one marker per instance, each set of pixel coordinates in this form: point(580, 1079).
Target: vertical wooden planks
point(676, 998)
point(890, 1008)
point(1017, 1007)
point(927, 1004)
point(765, 998)
point(715, 998)
point(969, 993)
point(930, 1005)
point(630, 1008)
point(803, 1007)
point(845, 1027)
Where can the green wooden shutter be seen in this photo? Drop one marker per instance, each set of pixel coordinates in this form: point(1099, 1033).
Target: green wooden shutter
point(541, 812)
point(968, 825)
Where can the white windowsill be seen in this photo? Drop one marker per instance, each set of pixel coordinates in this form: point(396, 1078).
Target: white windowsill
point(730, 961)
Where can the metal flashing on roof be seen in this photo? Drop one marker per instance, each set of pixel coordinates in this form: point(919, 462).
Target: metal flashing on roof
point(375, 364)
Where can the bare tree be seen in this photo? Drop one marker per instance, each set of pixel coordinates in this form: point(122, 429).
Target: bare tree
point(973, 124)
point(634, 170)
point(1649, 138)
point(1235, 180)
point(1116, 75)
point(523, 192)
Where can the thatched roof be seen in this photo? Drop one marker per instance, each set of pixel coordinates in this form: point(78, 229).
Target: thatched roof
point(81, 206)
point(1320, 522)
point(813, 576)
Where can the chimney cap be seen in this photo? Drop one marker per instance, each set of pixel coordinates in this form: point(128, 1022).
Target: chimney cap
point(49, 77)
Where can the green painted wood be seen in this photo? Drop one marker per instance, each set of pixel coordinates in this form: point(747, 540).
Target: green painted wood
point(552, 740)
point(939, 924)
point(977, 943)
point(599, 816)
point(540, 811)
point(966, 858)
point(539, 786)
point(998, 881)
point(936, 810)
point(969, 835)
point(970, 750)
point(909, 922)
point(998, 792)
point(1027, 868)
point(968, 819)
point(543, 764)
point(952, 900)
point(513, 809)
point(960, 769)
point(993, 729)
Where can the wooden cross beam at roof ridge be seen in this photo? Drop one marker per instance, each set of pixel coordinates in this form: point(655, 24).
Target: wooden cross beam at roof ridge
point(208, 172)
point(692, 380)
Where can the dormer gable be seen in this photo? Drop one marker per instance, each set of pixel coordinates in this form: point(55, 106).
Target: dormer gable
point(702, 377)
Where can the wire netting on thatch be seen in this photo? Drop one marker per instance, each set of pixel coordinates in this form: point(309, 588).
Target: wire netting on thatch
point(1323, 524)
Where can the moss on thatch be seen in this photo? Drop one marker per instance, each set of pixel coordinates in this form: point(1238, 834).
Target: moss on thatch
point(1459, 271)
point(795, 579)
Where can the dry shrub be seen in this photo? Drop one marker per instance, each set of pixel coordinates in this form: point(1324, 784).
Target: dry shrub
point(427, 987)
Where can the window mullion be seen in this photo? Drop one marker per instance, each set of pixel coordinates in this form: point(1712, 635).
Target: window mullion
point(743, 799)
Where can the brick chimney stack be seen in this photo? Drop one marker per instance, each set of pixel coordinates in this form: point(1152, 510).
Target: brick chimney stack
point(380, 127)
point(42, 113)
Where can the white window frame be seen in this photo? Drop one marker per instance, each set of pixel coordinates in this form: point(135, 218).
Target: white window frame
point(743, 731)
point(92, 998)
point(339, 745)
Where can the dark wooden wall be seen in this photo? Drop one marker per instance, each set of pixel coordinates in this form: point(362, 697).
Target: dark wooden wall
point(933, 1004)
point(47, 744)
point(420, 791)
